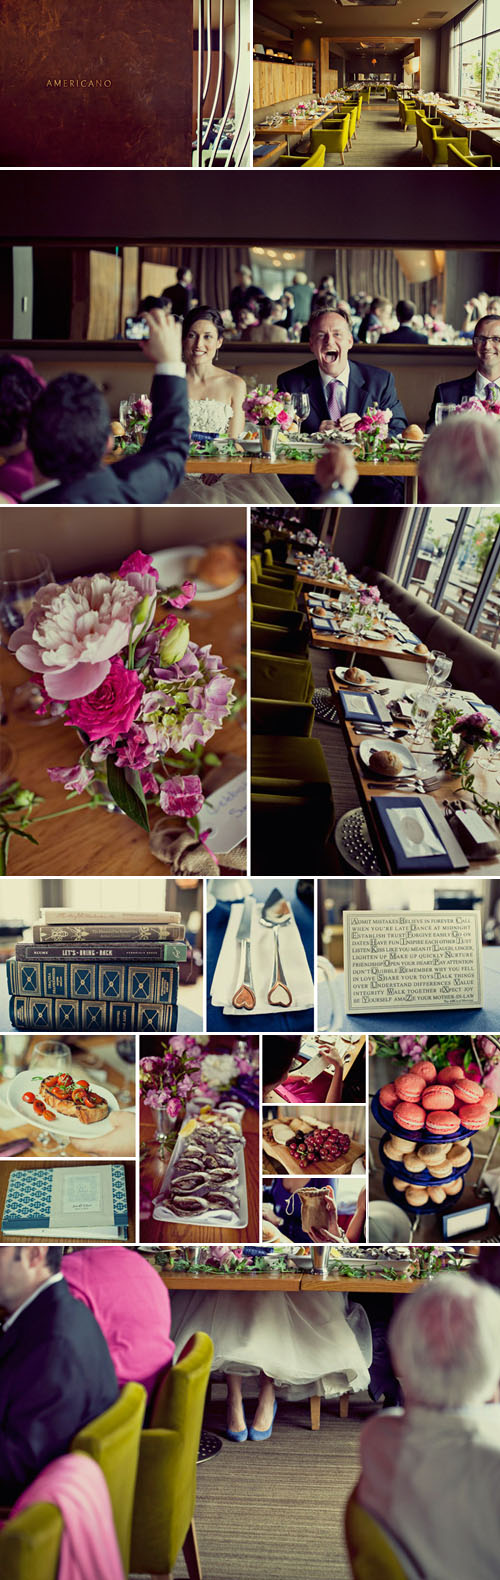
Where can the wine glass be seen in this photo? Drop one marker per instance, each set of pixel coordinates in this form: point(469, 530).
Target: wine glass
point(423, 709)
point(302, 406)
point(22, 574)
point(443, 409)
point(438, 668)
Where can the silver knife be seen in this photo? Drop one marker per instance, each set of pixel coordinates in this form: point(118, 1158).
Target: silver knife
point(244, 997)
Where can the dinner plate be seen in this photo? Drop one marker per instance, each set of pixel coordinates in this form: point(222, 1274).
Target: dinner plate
point(61, 1123)
point(385, 743)
point(374, 636)
point(354, 685)
point(172, 567)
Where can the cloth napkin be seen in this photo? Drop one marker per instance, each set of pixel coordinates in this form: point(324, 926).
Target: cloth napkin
point(228, 971)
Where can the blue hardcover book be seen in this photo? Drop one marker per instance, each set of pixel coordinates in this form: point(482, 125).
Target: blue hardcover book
point(117, 980)
point(28, 1012)
point(68, 1203)
point(364, 708)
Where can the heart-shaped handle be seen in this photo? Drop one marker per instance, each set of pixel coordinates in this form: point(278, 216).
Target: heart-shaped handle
point(244, 998)
point(279, 994)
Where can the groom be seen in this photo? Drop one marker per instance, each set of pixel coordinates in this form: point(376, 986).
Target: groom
point(340, 392)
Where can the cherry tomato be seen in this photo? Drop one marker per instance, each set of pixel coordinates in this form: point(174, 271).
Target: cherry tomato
point(83, 1083)
point(39, 1107)
point(28, 1097)
point(48, 1113)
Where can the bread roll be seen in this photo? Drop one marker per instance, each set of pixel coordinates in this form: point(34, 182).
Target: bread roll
point(386, 763)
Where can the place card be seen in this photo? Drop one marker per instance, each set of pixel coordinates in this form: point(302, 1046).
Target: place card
point(401, 962)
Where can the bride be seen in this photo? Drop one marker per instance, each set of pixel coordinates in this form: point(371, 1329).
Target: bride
point(216, 407)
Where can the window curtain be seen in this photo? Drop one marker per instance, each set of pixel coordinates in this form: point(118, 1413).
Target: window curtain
point(214, 269)
point(374, 270)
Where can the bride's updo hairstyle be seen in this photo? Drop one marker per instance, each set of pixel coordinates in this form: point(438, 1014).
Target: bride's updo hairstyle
point(203, 312)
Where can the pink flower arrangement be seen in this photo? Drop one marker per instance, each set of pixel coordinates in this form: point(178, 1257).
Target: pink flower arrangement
point(369, 595)
point(475, 728)
point(136, 690)
point(170, 1079)
point(490, 407)
point(374, 418)
point(265, 405)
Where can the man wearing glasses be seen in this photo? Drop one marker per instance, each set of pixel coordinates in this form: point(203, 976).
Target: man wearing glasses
point(485, 382)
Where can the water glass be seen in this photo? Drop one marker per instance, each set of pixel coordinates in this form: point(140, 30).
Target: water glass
point(443, 409)
point(422, 711)
point(438, 668)
point(22, 574)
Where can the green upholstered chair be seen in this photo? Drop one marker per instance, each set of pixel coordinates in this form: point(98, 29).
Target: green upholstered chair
point(291, 797)
point(288, 641)
point(265, 593)
point(166, 1481)
point(407, 114)
point(113, 1441)
point(353, 121)
point(313, 161)
point(288, 679)
point(270, 614)
point(30, 1544)
point(281, 575)
point(365, 95)
point(477, 160)
point(373, 1554)
point(436, 147)
point(334, 134)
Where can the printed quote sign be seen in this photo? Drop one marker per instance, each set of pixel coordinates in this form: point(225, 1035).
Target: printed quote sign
point(412, 961)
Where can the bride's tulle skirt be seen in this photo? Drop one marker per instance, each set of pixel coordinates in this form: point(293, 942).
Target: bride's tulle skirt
point(229, 490)
point(306, 1343)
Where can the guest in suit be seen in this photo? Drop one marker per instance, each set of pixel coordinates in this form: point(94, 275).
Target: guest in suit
point(56, 1372)
point(180, 295)
point(69, 433)
point(405, 335)
point(340, 392)
point(485, 382)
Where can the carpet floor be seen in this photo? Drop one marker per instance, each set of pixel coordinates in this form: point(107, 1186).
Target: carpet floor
point(275, 1509)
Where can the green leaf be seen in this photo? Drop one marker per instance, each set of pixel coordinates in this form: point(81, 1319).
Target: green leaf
point(127, 793)
point(212, 760)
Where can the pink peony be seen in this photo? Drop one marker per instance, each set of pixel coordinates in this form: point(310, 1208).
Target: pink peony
point(72, 633)
point(111, 709)
point(186, 595)
point(142, 407)
point(183, 796)
point(76, 778)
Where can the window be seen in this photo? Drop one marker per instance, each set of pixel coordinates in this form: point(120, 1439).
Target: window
point(451, 559)
point(475, 54)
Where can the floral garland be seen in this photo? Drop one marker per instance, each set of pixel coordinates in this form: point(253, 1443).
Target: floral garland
point(456, 736)
point(115, 662)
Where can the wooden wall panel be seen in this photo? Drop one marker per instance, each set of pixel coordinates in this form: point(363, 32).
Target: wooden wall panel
point(143, 52)
point(105, 279)
point(154, 278)
point(275, 80)
point(328, 80)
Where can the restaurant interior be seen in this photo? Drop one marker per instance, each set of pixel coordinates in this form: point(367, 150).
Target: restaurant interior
point(360, 618)
point(145, 95)
point(379, 87)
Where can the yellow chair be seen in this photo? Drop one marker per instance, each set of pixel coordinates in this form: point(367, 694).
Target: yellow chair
point(436, 147)
point(166, 1480)
point(274, 575)
point(365, 95)
point(113, 1441)
point(308, 161)
point(353, 121)
point(456, 158)
point(373, 1553)
point(286, 678)
point(335, 136)
point(30, 1544)
point(406, 114)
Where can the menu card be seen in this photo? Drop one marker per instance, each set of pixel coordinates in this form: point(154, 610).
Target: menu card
point(399, 962)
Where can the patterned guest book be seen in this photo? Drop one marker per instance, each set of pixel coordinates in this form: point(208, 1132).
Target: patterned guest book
point(77, 1202)
point(121, 982)
point(30, 1013)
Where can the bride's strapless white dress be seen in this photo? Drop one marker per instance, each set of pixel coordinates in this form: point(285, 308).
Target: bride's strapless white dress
point(213, 417)
point(306, 1343)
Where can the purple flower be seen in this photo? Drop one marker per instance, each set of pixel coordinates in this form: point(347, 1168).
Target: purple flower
point(149, 784)
point(76, 778)
point(412, 1047)
point(135, 751)
point(182, 796)
point(174, 1108)
point(186, 595)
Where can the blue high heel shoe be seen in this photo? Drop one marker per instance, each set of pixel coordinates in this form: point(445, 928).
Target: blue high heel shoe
point(238, 1437)
point(260, 1437)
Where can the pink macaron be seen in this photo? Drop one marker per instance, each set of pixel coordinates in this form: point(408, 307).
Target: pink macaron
point(468, 1092)
point(426, 1069)
point(409, 1087)
point(474, 1116)
point(409, 1115)
point(489, 1099)
point(438, 1097)
point(388, 1096)
point(440, 1122)
point(449, 1074)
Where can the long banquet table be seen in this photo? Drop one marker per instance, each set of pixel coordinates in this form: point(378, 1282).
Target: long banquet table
point(254, 466)
point(347, 642)
point(290, 1283)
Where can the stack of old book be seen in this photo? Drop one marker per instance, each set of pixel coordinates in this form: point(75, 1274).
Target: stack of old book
point(98, 971)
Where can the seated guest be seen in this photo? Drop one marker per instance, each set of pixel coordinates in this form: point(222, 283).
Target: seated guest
point(20, 387)
point(379, 316)
point(341, 391)
point(425, 1467)
point(461, 460)
point(244, 320)
point(266, 332)
point(326, 287)
point(120, 1286)
point(69, 433)
point(56, 1372)
point(485, 382)
point(278, 1054)
point(405, 335)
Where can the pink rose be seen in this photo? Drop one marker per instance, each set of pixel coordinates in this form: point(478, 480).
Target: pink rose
point(111, 709)
point(76, 778)
point(142, 407)
point(186, 595)
point(183, 796)
point(138, 564)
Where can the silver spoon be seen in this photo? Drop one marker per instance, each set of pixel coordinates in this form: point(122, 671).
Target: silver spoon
point(276, 913)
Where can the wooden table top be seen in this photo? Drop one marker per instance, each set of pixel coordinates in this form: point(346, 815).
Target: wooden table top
point(21, 1127)
point(286, 127)
point(155, 1232)
point(91, 839)
point(324, 581)
point(8, 1164)
point(364, 468)
point(368, 788)
point(295, 1283)
point(272, 154)
point(388, 648)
